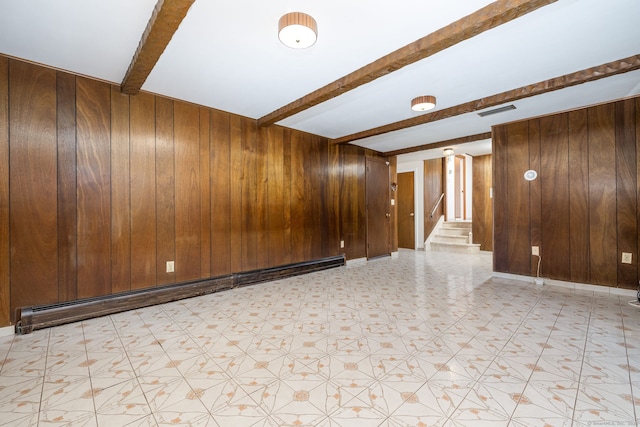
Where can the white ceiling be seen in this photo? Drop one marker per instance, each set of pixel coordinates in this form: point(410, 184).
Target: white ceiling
point(226, 55)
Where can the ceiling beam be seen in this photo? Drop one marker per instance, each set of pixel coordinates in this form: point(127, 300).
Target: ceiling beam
point(164, 21)
point(440, 144)
point(490, 16)
point(610, 69)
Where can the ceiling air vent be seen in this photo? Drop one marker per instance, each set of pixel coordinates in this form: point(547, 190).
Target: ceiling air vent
point(497, 110)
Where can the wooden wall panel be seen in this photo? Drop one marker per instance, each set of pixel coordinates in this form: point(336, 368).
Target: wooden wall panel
point(602, 195)
point(482, 203)
point(286, 194)
point(5, 278)
point(67, 188)
point(220, 194)
point(589, 171)
point(299, 146)
point(579, 197)
point(276, 250)
point(433, 189)
point(143, 191)
point(352, 201)
point(626, 192)
point(165, 191)
point(93, 111)
point(554, 201)
point(187, 207)
point(205, 193)
point(120, 192)
point(393, 178)
point(118, 185)
point(249, 200)
point(236, 179)
point(33, 192)
point(636, 261)
point(535, 194)
point(262, 198)
point(518, 231)
point(499, 141)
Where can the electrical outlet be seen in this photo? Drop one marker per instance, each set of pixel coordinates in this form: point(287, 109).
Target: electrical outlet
point(170, 266)
point(341, 244)
point(535, 250)
point(627, 257)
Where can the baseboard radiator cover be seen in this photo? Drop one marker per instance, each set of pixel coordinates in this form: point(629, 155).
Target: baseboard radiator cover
point(29, 319)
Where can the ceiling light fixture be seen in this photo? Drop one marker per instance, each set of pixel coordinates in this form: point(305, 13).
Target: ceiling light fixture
point(423, 103)
point(448, 151)
point(297, 30)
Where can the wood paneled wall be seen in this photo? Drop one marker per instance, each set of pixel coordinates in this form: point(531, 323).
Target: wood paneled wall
point(583, 209)
point(434, 179)
point(98, 190)
point(482, 202)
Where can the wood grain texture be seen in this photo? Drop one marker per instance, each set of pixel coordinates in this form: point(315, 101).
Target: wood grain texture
point(286, 194)
point(262, 199)
point(273, 138)
point(352, 202)
point(67, 188)
point(143, 191)
point(554, 201)
point(93, 111)
point(482, 224)
point(406, 207)
point(165, 19)
point(205, 193)
point(120, 192)
point(535, 195)
point(334, 199)
point(602, 195)
point(626, 192)
point(220, 194)
point(32, 180)
point(249, 232)
point(583, 76)
point(433, 187)
point(637, 262)
point(377, 202)
point(187, 207)
point(499, 143)
point(235, 183)
point(440, 144)
point(393, 177)
point(518, 232)
point(495, 14)
point(165, 191)
point(579, 196)
point(298, 186)
point(5, 276)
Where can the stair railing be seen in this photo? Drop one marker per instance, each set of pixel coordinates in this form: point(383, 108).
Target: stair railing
point(435, 207)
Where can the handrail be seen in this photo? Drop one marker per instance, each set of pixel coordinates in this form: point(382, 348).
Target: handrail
point(436, 205)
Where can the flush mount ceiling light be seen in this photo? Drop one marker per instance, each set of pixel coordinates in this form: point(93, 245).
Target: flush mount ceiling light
point(423, 103)
point(297, 30)
point(448, 151)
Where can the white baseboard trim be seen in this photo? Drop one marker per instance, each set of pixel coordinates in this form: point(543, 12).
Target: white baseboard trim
point(7, 331)
point(569, 285)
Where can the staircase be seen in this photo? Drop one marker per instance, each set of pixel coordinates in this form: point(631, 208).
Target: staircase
point(454, 237)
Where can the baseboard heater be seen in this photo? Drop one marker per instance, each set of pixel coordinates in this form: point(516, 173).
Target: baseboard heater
point(32, 318)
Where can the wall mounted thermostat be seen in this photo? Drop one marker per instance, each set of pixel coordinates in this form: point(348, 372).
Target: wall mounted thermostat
point(530, 175)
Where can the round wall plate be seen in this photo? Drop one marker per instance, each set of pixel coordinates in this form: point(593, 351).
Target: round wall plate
point(530, 175)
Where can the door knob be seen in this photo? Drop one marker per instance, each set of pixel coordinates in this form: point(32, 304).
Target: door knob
point(388, 215)
point(411, 214)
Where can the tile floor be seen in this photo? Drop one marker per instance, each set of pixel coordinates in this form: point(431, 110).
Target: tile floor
point(424, 339)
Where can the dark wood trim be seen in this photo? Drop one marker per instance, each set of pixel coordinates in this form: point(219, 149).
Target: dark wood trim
point(45, 316)
point(490, 16)
point(441, 144)
point(165, 19)
point(598, 72)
